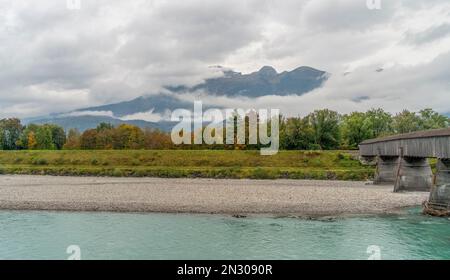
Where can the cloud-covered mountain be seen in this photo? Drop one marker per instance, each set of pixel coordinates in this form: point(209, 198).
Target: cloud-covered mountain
point(154, 111)
point(159, 104)
point(54, 61)
point(266, 81)
point(85, 122)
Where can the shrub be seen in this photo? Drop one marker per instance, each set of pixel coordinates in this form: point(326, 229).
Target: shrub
point(260, 173)
point(40, 161)
point(117, 172)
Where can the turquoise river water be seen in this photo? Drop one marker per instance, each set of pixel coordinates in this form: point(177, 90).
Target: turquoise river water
point(47, 235)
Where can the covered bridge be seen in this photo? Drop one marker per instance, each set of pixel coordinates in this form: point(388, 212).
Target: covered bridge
point(403, 161)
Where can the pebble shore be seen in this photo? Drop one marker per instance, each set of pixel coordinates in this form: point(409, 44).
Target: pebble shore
point(207, 196)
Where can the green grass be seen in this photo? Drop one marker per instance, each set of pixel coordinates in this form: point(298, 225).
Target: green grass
point(338, 165)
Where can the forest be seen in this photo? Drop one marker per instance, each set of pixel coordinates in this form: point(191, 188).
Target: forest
point(321, 130)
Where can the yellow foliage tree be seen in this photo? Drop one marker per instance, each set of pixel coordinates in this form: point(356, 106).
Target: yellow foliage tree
point(32, 143)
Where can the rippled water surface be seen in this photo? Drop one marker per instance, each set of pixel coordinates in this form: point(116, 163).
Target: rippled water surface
point(46, 235)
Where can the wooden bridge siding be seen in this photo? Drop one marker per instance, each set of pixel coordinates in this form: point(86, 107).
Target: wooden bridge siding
point(443, 147)
point(419, 147)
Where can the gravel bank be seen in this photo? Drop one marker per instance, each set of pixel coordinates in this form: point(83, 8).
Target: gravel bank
point(280, 197)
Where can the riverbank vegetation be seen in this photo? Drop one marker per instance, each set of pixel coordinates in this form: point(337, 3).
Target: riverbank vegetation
point(323, 165)
point(320, 130)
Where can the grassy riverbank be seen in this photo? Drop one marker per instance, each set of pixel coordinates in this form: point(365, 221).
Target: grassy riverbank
point(332, 165)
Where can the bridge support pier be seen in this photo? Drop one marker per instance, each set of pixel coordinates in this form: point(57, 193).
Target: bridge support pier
point(385, 172)
point(413, 174)
point(440, 193)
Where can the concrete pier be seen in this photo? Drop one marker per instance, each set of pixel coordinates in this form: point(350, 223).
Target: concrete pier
point(440, 193)
point(386, 170)
point(414, 174)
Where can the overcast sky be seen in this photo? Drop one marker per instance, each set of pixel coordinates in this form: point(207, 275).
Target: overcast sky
point(55, 59)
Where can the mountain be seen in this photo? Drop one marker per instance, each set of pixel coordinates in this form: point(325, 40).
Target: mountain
point(266, 81)
point(153, 111)
point(83, 123)
point(158, 104)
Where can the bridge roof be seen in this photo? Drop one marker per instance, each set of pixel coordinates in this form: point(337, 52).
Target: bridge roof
point(414, 135)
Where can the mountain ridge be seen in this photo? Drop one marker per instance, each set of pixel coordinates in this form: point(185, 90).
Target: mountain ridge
point(265, 81)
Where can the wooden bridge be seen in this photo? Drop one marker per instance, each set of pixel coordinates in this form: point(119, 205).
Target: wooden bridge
point(403, 160)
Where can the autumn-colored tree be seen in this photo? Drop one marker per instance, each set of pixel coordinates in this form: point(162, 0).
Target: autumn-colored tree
point(128, 137)
point(73, 140)
point(155, 139)
point(88, 139)
point(104, 139)
point(31, 141)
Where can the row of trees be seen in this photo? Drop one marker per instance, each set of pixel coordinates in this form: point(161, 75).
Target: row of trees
point(325, 129)
point(322, 129)
point(15, 136)
point(124, 136)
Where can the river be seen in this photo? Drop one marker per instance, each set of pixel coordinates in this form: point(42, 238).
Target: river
point(48, 235)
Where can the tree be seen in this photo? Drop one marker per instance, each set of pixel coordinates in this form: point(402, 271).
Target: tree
point(88, 139)
point(128, 137)
point(104, 138)
point(10, 132)
point(378, 122)
point(73, 140)
point(31, 141)
point(432, 120)
point(135, 138)
point(296, 134)
point(44, 138)
point(155, 139)
point(58, 136)
point(406, 122)
point(104, 126)
point(325, 127)
point(356, 128)
point(22, 143)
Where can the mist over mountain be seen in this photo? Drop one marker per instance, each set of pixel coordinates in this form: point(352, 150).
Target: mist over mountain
point(158, 104)
point(266, 81)
point(85, 122)
point(153, 111)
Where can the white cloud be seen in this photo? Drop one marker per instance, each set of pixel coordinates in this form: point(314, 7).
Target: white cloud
point(147, 116)
point(393, 89)
point(56, 60)
point(89, 113)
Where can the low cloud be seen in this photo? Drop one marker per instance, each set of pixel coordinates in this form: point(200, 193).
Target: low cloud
point(89, 113)
point(147, 116)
